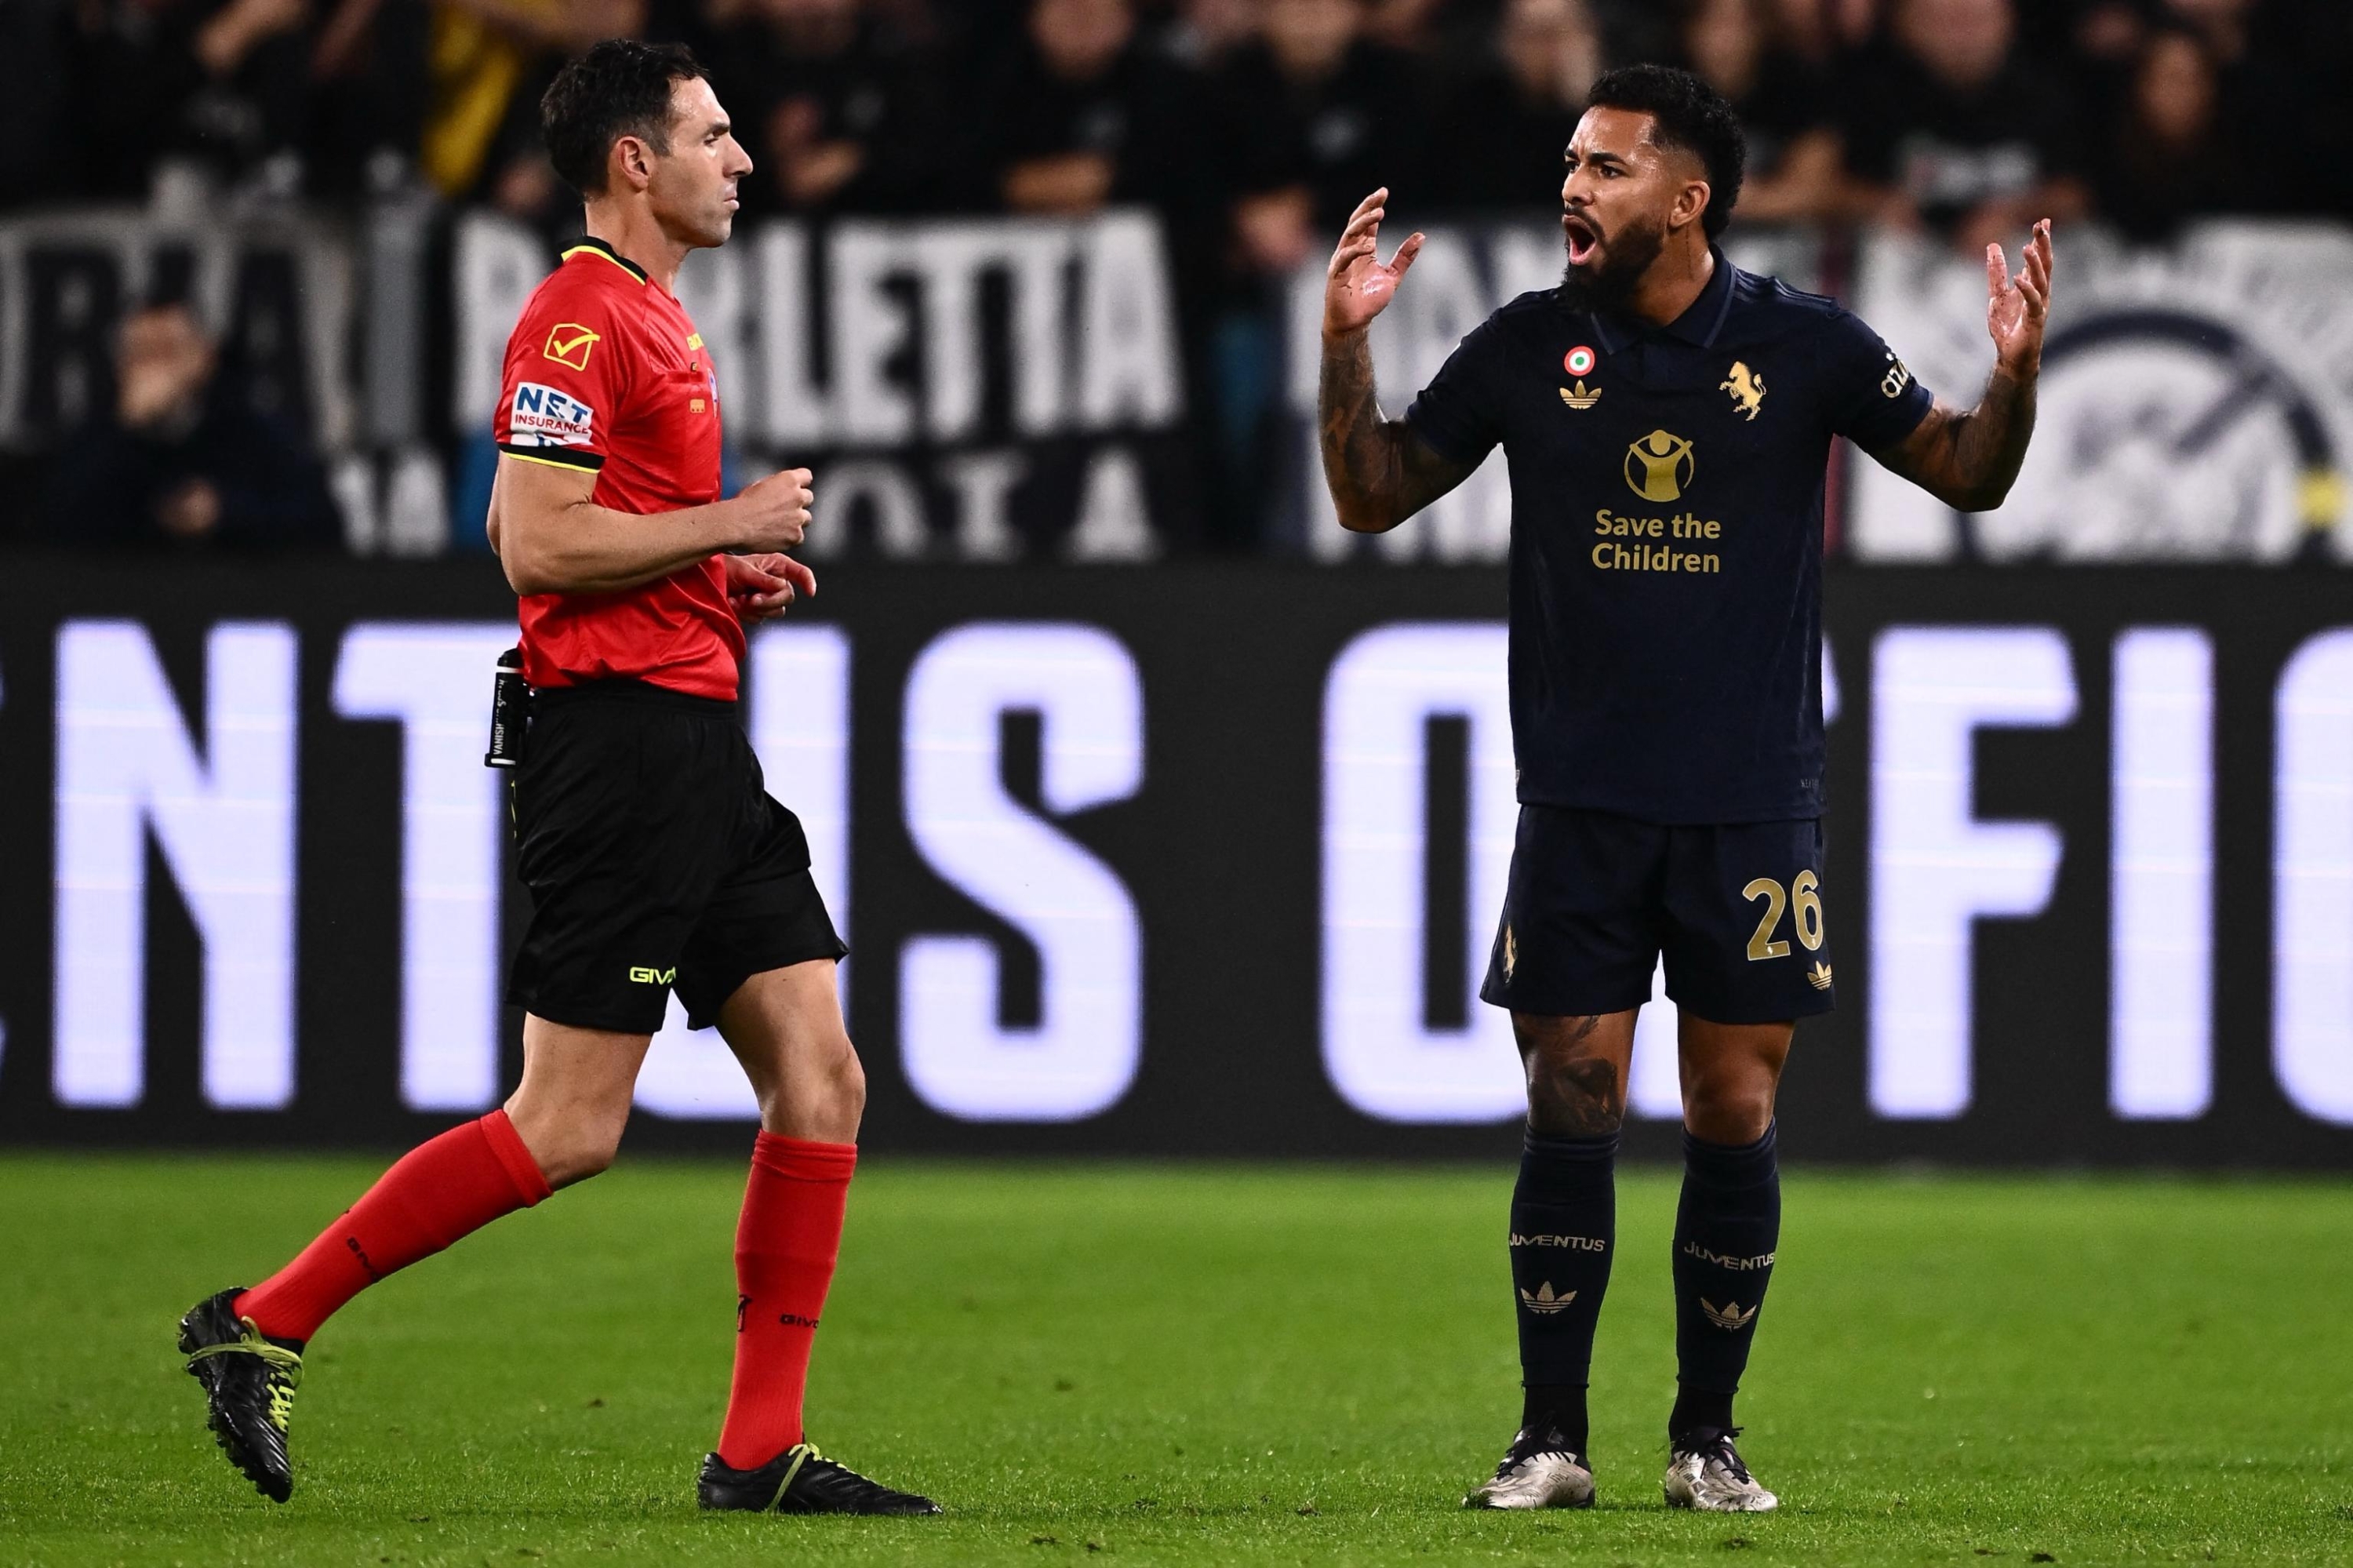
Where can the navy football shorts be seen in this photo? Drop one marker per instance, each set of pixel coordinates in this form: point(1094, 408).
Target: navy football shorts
point(655, 860)
point(1595, 899)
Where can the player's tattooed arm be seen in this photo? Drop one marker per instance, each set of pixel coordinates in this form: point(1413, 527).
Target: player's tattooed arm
point(1969, 460)
point(1379, 471)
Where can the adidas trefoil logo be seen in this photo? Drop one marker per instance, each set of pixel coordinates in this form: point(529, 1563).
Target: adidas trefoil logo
point(1581, 397)
point(1728, 1317)
point(1544, 1303)
point(1818, 977)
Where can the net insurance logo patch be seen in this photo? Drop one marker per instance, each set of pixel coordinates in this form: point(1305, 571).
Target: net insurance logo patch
point(545, 418)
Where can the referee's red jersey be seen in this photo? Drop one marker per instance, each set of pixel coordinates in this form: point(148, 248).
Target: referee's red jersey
point(606, 373)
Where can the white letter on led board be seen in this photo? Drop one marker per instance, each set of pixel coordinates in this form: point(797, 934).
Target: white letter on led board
point(2311, 879)
point(127, 767)
point(1081, 1056)
point(2161, 875)
point(1935, 870)
point(435, 679)
point(1384, 689)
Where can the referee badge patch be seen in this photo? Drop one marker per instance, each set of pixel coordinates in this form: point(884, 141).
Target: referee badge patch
point(568, 344)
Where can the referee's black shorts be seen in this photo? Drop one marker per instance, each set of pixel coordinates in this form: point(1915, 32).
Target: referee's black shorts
point(655, 860)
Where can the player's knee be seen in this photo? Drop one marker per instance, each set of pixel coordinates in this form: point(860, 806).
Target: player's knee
point(845, 1086)
point(581, 1154)
point(1730, 1109)
point(822, 1097)
point(1574, 1097)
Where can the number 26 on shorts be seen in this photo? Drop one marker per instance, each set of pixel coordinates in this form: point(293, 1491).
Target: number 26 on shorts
point(1803, 896)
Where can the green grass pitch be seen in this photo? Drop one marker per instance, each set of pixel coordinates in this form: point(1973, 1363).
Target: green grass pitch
point(1213, 1364)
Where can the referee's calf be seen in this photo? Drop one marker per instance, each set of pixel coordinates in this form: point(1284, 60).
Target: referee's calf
point(656, 860)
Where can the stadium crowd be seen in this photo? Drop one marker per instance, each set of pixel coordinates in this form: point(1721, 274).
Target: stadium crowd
point(1253, 126)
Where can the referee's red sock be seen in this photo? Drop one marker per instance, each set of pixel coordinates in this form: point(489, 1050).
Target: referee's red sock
point(786, 1244)
point(438, 1192)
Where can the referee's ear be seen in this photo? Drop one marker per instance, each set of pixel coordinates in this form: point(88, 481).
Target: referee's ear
point(630, 165)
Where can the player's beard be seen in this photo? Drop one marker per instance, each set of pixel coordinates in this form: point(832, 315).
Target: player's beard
point(1606, 281)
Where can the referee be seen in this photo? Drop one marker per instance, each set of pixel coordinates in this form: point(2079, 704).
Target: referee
point(1667, 419)
point(654, 859)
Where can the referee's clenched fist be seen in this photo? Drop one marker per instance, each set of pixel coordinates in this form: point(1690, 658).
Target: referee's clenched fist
point(657, 862)
point(776, 510)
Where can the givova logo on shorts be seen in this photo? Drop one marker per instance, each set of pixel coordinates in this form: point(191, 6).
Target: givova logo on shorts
point(642, 974)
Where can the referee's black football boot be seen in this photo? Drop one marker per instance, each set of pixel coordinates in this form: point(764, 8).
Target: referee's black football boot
point(1539, 1471)
point(800, 1480)
point(249, 1381)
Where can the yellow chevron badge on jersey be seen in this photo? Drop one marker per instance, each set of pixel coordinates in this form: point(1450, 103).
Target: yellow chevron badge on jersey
point(568, 344)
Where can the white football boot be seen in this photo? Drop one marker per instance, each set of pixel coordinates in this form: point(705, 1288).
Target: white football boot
point(1536, 1472)
point(1705, 1472)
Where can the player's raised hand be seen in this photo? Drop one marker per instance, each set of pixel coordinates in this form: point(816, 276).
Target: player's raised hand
point(2017, 308)
point(776, 510)
point(1358, 284)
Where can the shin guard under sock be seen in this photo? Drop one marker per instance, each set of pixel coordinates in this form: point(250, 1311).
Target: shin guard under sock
point(786, 1244)
point(1727, 1227)
point(1564, 1231)
point(438, 1192)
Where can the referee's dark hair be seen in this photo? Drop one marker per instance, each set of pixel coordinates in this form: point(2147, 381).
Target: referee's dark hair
point(1688, 114)
point(619, 88)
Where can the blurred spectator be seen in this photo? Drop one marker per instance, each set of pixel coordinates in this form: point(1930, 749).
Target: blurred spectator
point(1796, 173)
point(1317, 117)
point(1408, 24)
point(1204, 33)
point(1505, 127)
point(1637, 29)
point(2164, 160)
point(221, 82)
point(1965, 134)
point(2259, 95)
point(489, 61)
point(1083, 115)
point(33, 49)
point(2318, 38)
point(1312, 118)
point(370, 69)
point(837, 116)
point(180, 459)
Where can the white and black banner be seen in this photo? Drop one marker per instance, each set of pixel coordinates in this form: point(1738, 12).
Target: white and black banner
point(1199, 859)
point(2196, 403)
point(278, 290)
point(997, 389)
point(982, 389)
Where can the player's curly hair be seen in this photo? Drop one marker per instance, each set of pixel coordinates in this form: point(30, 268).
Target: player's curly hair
point(619, 88)
point(1688, 114)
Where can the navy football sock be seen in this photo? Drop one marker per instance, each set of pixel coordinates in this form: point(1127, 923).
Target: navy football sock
point(1563, 1230)
point(1727, 1228)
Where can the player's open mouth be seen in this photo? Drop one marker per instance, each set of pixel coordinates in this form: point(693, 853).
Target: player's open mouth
point(1583, 238)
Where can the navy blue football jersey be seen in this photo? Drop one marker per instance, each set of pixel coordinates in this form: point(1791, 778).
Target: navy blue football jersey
point(1666, 557)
